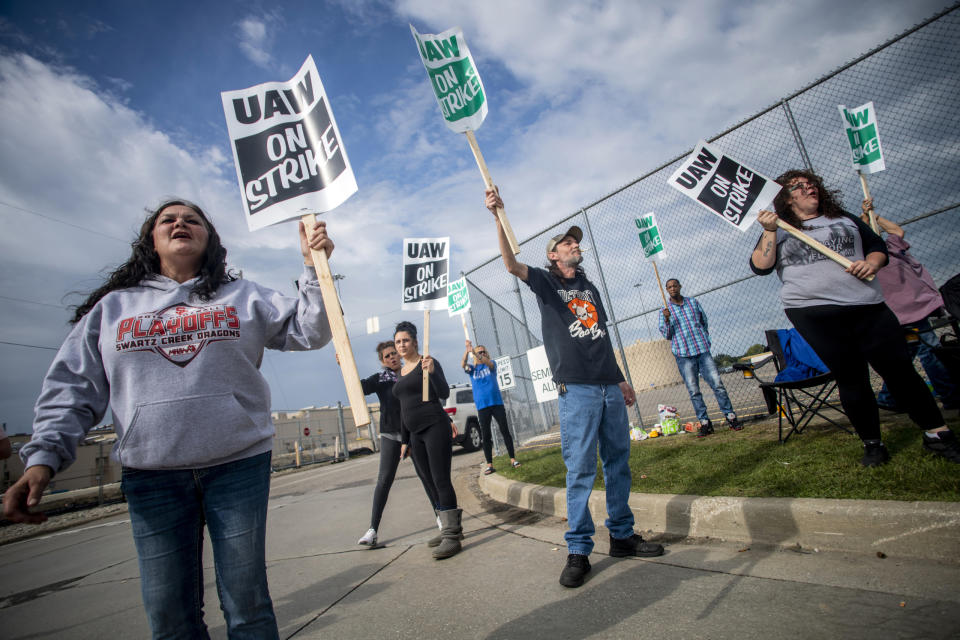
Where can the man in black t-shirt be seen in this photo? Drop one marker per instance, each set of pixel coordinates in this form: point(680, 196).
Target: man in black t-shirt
point(593, 396)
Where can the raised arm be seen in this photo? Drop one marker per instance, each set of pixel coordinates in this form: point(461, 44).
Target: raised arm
point(889, 226)
point(466, 355)
point(764, 255)
point(517, 268)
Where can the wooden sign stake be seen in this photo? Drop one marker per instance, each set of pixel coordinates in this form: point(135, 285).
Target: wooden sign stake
point(810, 242)
point(488, 181)
point(866, 194)
point(341, 341)
point(659, 284)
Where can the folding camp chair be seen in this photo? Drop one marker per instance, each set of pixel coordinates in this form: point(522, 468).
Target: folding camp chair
point(808, 397)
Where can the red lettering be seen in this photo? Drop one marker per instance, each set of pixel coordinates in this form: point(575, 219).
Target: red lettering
point(190, 322)
point(218, 317)
point(206, 317)
point(125, 327)
point(232, 320)
point(156, 329)
point(139, 332)
point(173, 325)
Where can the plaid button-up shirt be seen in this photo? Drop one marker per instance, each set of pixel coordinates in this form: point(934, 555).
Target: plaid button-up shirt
point(687, 331)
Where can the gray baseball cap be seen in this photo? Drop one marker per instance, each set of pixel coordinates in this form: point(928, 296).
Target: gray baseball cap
point(555, 240)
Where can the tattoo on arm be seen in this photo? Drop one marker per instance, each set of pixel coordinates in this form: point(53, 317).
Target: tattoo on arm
point(766, 250)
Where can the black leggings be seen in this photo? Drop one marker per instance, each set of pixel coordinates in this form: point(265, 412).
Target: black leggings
point(432, 451)
point(389, 460)
point(847, 338)
point(496, 411)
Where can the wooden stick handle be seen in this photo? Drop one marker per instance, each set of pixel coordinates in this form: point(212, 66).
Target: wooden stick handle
point(463, 321)
point(866, 194)
point(426, 352)
point(659, 284)
point(341, 341)
point(488, 181)
point(810, 242)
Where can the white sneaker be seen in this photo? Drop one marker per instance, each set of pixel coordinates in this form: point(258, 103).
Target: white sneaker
point(369, 538)
point(439, 524)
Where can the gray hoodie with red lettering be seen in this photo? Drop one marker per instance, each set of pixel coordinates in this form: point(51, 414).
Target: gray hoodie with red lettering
point(181, 376)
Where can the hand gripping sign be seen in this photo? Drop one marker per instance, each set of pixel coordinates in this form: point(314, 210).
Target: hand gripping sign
point(735, 192)
point(426, 272)
point(459, 90)
point(290, 160)
point(863, 134)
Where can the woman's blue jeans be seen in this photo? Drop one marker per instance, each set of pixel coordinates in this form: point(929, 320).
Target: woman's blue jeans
point(592, 414)
point(168, 510)
point(703, 365)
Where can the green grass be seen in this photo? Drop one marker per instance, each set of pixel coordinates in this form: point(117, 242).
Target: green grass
point(822, 462)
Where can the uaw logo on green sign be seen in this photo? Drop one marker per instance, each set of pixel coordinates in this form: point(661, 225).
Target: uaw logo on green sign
point(863, 135)
point(650, 238)
point(454, 78)
point(458, 297)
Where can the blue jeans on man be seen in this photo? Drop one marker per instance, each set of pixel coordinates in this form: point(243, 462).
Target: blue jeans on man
point(703, 365)
point(168, 510)
point(592, 414)
point(937, 374)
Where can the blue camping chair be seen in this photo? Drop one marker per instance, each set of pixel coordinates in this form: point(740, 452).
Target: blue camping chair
point(802, 386)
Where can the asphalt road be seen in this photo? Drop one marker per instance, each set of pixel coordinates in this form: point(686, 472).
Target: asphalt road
point(82, 582)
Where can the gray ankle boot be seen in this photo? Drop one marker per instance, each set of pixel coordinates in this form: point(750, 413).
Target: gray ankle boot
point(450, 534)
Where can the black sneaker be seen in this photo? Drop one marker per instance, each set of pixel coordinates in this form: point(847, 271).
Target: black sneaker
point(634, 546)
point(706, 429)
point(874, 454)
point(578, 566)
point(733, 423)
point(945, 445)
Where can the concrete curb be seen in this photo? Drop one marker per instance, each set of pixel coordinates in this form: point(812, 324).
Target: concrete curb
point(928, 530)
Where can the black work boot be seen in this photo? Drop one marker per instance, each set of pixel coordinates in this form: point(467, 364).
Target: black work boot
point(874, 453)
point(578, 566)
point(635, 545)
point(706, 429)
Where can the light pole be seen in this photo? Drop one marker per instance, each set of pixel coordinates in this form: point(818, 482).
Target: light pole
point(646, 320)
point(336, 280)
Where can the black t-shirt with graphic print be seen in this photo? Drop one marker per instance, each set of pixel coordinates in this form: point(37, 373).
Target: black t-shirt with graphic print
point(575, 333)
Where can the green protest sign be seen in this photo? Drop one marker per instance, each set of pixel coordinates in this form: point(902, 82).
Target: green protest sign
point(458, 297)
point(863, 135)
point(650, 238)
point(454, 78)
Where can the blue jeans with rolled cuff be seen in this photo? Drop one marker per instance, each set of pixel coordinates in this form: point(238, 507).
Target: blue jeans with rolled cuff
point(168, 511)
point(703, 365)
point(592, 415)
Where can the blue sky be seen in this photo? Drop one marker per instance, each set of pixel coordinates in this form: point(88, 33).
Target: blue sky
point(109, 106)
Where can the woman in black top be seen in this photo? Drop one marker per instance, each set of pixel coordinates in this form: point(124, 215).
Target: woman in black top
point(427, 426)
point(391, 447)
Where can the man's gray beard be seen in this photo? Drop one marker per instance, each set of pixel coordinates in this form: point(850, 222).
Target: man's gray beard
point(573, 262)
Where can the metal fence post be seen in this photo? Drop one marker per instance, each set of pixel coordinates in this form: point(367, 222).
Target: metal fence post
point(795, 130)
point(100, 473)
point(343, 431)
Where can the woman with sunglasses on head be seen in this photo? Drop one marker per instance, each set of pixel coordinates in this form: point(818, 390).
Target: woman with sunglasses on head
point(841, 314)
point(172, 344)
point(392, 449)
point(427, 426)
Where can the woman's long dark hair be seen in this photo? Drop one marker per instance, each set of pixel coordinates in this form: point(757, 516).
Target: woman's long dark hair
point(144, 262)
point(829, 199)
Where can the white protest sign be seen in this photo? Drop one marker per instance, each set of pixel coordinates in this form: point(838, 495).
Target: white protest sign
point(426, 267)
point(458, 297)
point(650, 238)
point(863, 134)
point(540, 374)
point(287, 149)
point(454, 78)
point(505, 379)
point(724, 186)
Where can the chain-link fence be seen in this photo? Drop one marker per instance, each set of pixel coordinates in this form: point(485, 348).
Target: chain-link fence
point(914, 82)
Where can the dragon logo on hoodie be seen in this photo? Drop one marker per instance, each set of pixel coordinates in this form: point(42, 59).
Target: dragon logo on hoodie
point(178, 332)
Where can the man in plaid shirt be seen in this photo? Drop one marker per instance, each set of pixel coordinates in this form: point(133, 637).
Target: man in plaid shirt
point(684, 324)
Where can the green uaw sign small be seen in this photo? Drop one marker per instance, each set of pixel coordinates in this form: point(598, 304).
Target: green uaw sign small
point(458, 297)
point(863, 135)
point(454, 78)
point(650, 238)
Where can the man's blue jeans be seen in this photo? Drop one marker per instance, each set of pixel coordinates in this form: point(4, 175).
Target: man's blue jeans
point(937, 374)
point(703, 364)
point(168, 510)
point(592, 413)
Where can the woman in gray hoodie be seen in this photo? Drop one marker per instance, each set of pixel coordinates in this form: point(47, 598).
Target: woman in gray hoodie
point(172, 344)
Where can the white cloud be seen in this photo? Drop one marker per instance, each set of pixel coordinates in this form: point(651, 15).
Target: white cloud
point(255, 41)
